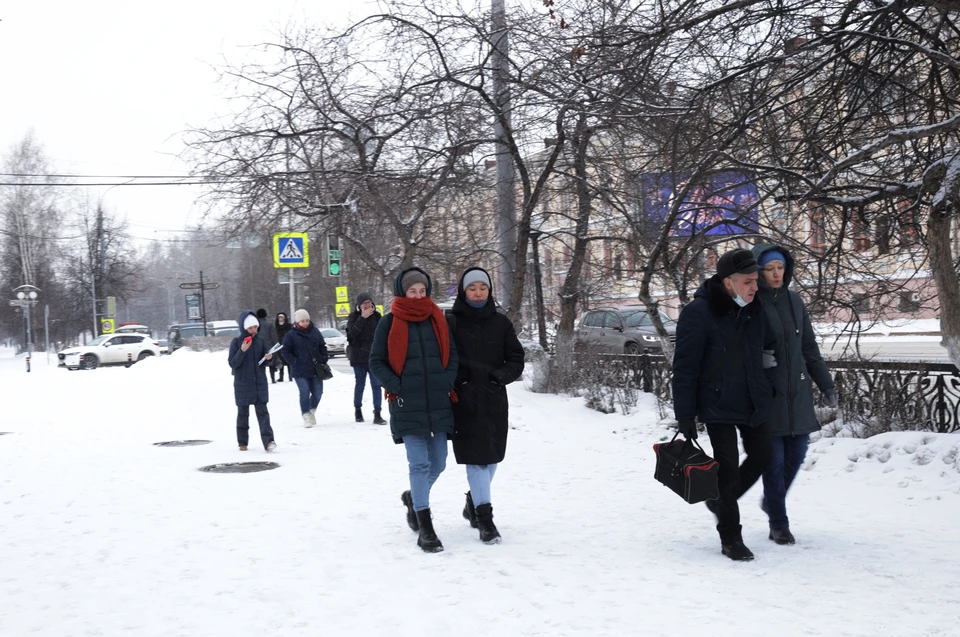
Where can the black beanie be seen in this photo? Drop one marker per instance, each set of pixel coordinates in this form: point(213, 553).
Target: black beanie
point(261, 313)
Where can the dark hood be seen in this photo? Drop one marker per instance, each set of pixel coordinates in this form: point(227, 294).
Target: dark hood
point(763, 248)
point(243, 316)
point(713, 292)
point(398, 291)
point(460, 305)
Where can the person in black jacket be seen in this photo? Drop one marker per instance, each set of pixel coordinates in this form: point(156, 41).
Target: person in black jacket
point(722, 376)
point(491, 357)
point(268, 332)
point(415, 359)
point(361, 326)
point(303, 345)
point(281, 326)
point(792, 418)
point(250, 381)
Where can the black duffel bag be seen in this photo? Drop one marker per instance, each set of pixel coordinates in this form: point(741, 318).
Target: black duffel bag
point(322, 370)
point(683, 466)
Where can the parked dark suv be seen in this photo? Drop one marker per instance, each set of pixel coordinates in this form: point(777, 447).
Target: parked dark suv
point(622, 330)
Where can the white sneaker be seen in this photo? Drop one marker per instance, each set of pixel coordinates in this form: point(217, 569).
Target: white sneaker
point(313, 416)
point(271, 446)
point(308, 420)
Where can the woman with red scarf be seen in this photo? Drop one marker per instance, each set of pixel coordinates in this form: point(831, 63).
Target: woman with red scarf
point(414, 358)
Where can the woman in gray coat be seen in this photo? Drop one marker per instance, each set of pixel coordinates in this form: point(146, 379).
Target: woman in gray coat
point(792, 418)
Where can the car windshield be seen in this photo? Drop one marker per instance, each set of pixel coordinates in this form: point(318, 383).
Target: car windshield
point(99, 340)
point(331, 333)
point(642, 319)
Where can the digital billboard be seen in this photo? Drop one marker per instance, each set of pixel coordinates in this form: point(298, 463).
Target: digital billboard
point(720, 203)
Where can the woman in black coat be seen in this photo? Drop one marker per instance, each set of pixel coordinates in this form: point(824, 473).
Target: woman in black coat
point(281, 325)
point(302, 346)
point(250, 381)
point(491, 357)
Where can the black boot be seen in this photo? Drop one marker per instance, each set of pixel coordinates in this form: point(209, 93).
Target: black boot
point(737, 551)
point(488, 531)
point(782, 536)
point(281, 374)
point(407, 500)
point(358, 415)
point(377, 419)
point(469, 513)
point(427, 540)
point(273, 375)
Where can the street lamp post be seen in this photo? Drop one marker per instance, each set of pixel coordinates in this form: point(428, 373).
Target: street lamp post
point(27, 296)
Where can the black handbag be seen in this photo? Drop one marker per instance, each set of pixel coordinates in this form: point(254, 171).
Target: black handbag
point(322, 370)
point(684, 467)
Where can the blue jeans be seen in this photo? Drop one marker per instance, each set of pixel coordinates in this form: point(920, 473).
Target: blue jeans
point(427, 457)
point(360, 373)
point(311, 389)
point(479, 477)
point(788, 455)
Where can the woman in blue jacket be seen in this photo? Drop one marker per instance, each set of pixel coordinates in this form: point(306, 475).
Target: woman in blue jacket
point(414, 358)
point(303, 345)
point(250, 381)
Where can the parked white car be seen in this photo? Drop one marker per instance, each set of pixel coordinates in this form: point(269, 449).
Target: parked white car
point(110, 349)
point(336, 342)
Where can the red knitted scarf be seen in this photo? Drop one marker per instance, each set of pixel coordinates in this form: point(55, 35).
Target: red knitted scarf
point(406, 310)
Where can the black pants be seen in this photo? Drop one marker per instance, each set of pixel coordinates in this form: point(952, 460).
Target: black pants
point(735, 479)
point(243, 424)
point(273, 372)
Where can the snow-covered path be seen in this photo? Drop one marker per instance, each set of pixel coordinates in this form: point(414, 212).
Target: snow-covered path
point(102, 533)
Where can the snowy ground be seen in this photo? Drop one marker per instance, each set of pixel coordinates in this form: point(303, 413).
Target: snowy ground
point(102, 533)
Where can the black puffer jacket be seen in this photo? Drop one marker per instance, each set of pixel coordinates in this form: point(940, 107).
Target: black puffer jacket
point(792, 412)
point(710, 383)
point(281, 330)
point(360, 333)
point(301, 347)
point(249, 379)
point(491, 357)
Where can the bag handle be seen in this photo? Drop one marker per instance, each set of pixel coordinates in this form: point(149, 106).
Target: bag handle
point(688, 441)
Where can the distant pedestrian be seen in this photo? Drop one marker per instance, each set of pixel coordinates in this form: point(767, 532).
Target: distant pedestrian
point(490, 358)
point(250, 381)
point(281, 326)
point(361, 327)
point(415, 359)
point(269, 335)
point(722, 377)
point(792, 416)
point(301, 347)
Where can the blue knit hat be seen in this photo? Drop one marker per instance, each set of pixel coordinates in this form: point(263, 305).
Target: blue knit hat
point(772, 255)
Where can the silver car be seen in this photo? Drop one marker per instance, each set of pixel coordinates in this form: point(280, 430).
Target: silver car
point(622, 330)
point(336, 342)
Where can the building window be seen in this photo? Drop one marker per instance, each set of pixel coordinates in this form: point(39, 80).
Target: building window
point(860, 229)
point(909, 302)
point(818, 230)
point(618, 267)
point(909, 222)
point(860, 302)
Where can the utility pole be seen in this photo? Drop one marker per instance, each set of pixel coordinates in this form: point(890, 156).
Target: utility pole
point(506, 178)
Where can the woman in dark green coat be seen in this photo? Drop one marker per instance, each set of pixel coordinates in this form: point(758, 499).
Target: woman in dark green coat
point(414, 358)
point(792, 417)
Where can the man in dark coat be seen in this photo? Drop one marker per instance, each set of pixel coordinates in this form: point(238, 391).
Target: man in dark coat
point(269, 335)
point(361, 326)
point(491, 357)
point(722, 376)
point(792, 417)
point(281, 325)
point(250, 381)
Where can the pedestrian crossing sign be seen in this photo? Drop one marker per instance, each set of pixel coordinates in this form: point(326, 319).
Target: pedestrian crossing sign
point(343, 309)
point(290, 250)
point(342, 296)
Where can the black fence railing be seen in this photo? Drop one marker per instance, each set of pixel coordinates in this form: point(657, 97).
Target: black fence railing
point(881, 396)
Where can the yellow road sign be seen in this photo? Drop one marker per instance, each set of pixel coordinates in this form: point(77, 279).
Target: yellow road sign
point(343, 309)
point(106, 326)
point(380, 309)
point(290, 250)
point(342, 296)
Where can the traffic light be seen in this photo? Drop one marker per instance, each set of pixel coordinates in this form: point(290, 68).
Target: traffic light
point(333, 255)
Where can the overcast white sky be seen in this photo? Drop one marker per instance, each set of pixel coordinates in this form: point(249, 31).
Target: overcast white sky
point(108, 86)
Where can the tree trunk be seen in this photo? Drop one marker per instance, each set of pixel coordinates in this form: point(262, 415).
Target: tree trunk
point(945, 276)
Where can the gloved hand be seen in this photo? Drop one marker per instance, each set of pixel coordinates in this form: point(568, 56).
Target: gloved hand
point(688, 428)
point(830, 397)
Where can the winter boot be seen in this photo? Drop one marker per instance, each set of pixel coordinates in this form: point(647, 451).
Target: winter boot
point(377, 418)
point(273, 375)
point(737, 551)
point(488, 531)
point(782, 536)
point(313, 416)
point(358, 415)
point(407, 500)
point(469, 513)
point(307, 421)
point(427, 540)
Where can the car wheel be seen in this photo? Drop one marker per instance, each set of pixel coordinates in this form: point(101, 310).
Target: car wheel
point(144, 355)
point(631, 348)
point(89, 362)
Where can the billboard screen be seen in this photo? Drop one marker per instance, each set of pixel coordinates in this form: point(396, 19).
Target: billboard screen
point(721, 203)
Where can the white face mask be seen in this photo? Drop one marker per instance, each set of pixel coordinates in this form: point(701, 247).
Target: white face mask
point(739, 301)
